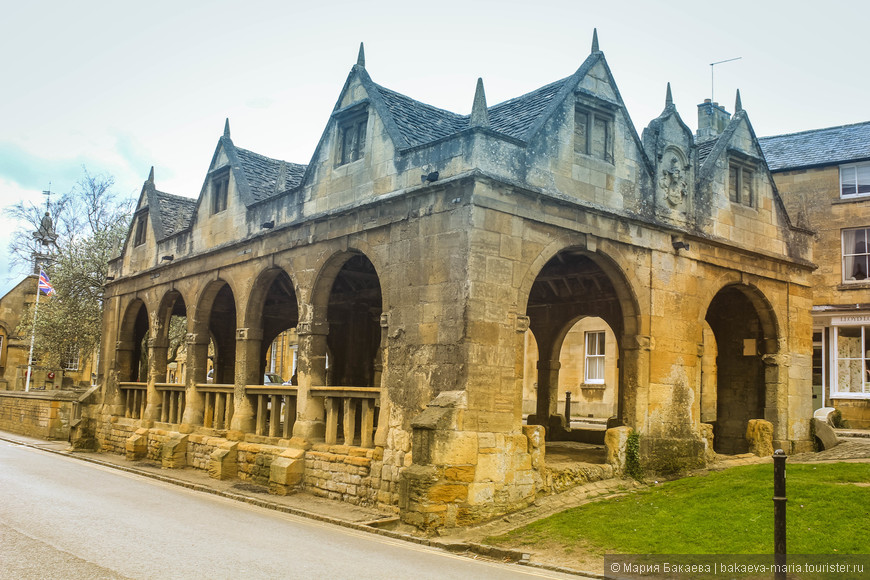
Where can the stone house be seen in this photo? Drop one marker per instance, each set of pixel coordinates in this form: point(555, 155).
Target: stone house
point(14, 348)
point(411, 255)
point(823, 176)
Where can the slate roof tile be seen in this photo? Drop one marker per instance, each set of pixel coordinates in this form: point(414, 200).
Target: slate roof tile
point(829, 146)
point(176, 212)
point(268, 177)
point(420, 123)
point(704, 149)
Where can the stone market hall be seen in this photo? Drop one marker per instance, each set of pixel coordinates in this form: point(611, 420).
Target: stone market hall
point(398, 274)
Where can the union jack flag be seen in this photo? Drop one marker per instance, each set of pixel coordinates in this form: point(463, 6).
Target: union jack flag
point(45, 283)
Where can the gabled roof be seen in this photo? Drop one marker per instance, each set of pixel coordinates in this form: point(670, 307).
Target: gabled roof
point(704, 150)
point(829, 146)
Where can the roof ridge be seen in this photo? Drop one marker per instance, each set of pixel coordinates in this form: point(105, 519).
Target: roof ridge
point(269, 158)
point(419, 102)
point(816, 130)
point(526, 95)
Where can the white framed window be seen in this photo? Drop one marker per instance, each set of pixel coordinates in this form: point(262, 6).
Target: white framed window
point(72, 359)
point(851, 363)
point(855, 180)
point(594, 363)
point(856, 258)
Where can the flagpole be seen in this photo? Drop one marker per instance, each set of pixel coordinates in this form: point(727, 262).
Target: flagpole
point(32, 335)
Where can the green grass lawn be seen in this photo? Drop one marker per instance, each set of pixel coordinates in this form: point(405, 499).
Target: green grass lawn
point(725, 512)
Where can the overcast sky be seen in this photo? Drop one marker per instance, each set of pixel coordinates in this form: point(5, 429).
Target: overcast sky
point(121, 86)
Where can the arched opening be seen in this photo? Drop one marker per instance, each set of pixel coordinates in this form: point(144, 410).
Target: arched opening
point(279, 316)
point(743, 330)
point(353, 313)
point(575, 311)
point(222, 333)
point(170, 364)
point(173, 319)
point(133, 361)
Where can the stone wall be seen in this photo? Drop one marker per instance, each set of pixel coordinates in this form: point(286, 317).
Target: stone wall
point(45, 415)
point(342, 473)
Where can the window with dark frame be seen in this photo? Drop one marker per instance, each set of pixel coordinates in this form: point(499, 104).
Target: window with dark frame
point(593, 133)
point(352, 138)
point(741, 183)
point(141, 229)
point(220, 184)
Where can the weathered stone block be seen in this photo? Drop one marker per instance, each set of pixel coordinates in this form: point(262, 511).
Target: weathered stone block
point(825, 434)
point(759, 433)
point(223, 462)
point(615, 440)
point(174, 451)
point(137, 445)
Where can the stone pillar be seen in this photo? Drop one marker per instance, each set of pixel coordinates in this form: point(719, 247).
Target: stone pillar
point(634, 381)
point(380, 439)
point(156, 374)
point(776, 396)
point(197, 368)
point(249, 349)
point(311, 373)
point(548, 390)
point(122, 372)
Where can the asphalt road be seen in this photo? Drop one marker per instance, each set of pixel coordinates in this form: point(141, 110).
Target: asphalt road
point(64, 518)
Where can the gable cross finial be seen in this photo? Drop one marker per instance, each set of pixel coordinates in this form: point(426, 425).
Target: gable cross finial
point(227, 128)
point(669, 99)
point(595, 41)
point(738, 105)
point(151, 175)
point(479, 114)
point(361, 57)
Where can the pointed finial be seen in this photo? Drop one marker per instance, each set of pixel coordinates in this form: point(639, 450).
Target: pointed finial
point(669, 99)
point(738, 106)
point(595, 41)
point(151, 175)
point(227, 128)
point(361, 58)
point(479, 114)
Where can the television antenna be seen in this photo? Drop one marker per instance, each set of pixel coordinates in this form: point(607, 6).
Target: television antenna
point(713, 64)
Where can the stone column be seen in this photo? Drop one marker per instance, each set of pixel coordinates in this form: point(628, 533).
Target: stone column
point(548, 390)
point(156, 374)
point(311, 373)
point(380, 439)
point(633, 393)
point(197, 368)
point(122, 372)
point(249, 349)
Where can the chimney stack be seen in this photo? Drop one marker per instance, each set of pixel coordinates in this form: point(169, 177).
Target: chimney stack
point(712, 120)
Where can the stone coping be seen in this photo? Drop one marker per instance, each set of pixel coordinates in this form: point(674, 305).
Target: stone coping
point(47, 395)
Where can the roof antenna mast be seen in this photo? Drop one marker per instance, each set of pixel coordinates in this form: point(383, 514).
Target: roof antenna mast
point(712, 64)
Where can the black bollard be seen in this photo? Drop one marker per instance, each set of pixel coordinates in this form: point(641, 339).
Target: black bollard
point(568, 409)
point(779, 500)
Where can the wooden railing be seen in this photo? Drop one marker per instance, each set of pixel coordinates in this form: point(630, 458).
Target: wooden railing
point(345, 406)
point(218, 411)
point(172, 396)
point(274, 409)
point(134, 397)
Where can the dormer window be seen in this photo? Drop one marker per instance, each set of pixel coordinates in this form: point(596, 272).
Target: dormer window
point(220, 184)
point(741, 181)
point(141, 231)
point(352, 137)
point(593, 132)
point(855, 180)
